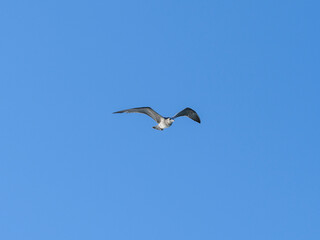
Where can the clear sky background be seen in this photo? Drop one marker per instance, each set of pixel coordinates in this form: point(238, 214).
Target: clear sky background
point(70, 169)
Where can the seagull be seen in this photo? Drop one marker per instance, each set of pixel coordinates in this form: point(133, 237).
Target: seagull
point(163, 122)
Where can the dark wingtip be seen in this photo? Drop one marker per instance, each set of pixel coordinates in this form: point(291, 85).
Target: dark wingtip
point(197, 118)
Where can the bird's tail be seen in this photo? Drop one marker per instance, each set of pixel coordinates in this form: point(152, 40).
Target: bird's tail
point(157, 127)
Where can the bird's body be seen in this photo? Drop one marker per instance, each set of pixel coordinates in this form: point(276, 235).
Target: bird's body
point(163, 122)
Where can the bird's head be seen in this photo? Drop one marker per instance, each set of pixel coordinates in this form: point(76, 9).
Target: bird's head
point(170, 120)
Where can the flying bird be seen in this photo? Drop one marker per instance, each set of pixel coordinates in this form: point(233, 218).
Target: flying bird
point(163, 122)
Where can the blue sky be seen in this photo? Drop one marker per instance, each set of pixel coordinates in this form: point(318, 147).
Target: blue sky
point(70, 169)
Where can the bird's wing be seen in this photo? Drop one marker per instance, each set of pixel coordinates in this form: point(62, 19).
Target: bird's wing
point(189, 113)
point(146, 110)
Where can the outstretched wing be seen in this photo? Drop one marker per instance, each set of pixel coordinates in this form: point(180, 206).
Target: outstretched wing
point(146, 110)
point(189, 113)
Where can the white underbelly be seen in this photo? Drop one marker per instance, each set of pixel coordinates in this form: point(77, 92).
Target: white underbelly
point(162, 125)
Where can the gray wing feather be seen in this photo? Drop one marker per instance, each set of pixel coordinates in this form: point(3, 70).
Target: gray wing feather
point(145, 110)
point(190, 113)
